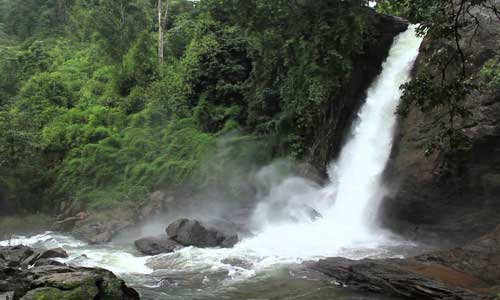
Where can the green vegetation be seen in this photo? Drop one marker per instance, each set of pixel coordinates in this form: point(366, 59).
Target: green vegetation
point(89, 113)
point(491, 74)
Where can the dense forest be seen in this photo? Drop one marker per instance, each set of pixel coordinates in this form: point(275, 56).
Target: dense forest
point(90, 111)
point(101, 101)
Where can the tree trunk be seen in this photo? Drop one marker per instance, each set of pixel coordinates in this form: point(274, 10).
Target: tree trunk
point(162, 22)
point(160, 32)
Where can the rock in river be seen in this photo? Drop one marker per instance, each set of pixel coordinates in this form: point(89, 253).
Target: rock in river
point(193, 233)
point(157, 245)
point(55, 281)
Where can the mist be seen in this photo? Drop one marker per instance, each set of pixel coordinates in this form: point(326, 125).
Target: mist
point(239, 189)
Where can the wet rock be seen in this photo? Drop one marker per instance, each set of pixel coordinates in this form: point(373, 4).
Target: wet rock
point(469, 272)
point(31, 259)
point(404, 278)
point(69, 214)
point(65, 225)
point(7, 296)
point(229, 241)
point(54, 293)
point(49, 269)
point(480, 258)
point(92, 233)
point(100, 228)
point(50, 280)
point(53, 253)
point(39, 254)
point(15, 280)
point(13, 256)
point(237, 262)
point(156, 245)
point(80, 283)
point(193, 233)
point(81, 257)
point(47, 262)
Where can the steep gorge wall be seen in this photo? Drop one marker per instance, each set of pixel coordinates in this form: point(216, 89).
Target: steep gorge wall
point(434, 200)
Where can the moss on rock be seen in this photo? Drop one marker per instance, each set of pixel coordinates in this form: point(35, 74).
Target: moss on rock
point(85, 292)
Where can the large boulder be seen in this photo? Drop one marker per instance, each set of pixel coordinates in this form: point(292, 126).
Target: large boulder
point(23, 256)
point(53, 253)
point(193, 233)
point(55, 281)
point(156, 245)
point(15, 255)
point(101, 227)
point(93, 232)
point(14, 281)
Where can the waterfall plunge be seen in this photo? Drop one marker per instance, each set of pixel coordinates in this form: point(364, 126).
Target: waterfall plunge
point(357, 176)
point(349, 203)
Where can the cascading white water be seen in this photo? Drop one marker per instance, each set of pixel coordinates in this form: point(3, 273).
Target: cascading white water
point(357, 177)
point(348, 204)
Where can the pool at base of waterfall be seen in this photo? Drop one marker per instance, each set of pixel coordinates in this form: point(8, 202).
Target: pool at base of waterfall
point(284, 282)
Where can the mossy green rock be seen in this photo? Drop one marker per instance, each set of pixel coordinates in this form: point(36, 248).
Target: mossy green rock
point(112, 290)
point(87, 292)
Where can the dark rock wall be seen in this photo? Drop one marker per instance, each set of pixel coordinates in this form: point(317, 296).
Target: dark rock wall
point(433, 201)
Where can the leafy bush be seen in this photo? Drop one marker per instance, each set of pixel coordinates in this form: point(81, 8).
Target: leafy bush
point(491, 73)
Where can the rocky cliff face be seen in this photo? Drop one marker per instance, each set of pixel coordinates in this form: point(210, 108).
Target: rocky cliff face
point(340, 112)
point(434, 198)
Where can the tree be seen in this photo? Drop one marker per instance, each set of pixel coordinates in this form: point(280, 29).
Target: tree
point(34, 17)
point(117, 23)
point(162, 21)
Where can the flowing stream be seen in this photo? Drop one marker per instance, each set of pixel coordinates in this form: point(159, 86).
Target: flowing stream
point(264, 265)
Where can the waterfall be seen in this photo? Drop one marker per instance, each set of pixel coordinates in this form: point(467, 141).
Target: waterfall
point(357, 176)
point(350, 202)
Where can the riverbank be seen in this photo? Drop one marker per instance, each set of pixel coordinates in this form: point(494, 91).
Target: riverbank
point(469, 272)
point(24, 224)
